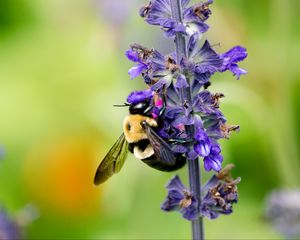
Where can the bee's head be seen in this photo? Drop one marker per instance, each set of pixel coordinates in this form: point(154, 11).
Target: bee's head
point(134, 127)
point(142, 108)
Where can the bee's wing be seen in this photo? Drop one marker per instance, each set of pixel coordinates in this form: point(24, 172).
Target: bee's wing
point(162, 151)
point(113, 161)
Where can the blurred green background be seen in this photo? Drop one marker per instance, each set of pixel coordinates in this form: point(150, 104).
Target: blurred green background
point(62, 67)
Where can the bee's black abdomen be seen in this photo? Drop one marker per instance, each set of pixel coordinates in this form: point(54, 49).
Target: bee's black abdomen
point(143, 144)
point(154, 163)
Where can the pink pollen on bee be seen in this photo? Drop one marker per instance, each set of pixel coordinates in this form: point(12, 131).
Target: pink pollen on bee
point(180, 127)
point(159, 103)
point(154, 115)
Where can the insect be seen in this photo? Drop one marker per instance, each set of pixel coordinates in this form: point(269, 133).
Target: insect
point(140, 138)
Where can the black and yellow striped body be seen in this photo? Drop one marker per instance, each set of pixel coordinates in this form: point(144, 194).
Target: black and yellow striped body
point(140, 145)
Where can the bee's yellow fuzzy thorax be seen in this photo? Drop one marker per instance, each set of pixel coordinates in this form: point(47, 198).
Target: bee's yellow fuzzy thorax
point(133, 127)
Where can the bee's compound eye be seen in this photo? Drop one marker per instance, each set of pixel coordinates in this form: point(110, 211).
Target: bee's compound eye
point(139, 106)
point(128, 126)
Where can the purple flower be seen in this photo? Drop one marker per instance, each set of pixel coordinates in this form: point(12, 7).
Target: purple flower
point(9, 229)
point(199, 11)
point(196, 15)
point(283, 211)
point(133, 56)
point(218, 196)
point(166, 70)
point(231, 58)
point(139, 96)
point(213, 124)
point(183, 118)
point(219, 193)
point(137, 69)
point(214, 160)
point(158, 12)
point(206, 103)
point(172, 128)
point(14, 228)
point(157, 70)
point(203, 143)
point(202, 62)
point(180, 199)
point(207, 60)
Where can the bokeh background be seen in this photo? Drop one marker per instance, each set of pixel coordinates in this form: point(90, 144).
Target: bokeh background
point(62, 67)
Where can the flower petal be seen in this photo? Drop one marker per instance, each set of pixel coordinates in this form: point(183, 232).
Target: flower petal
point(137, 70)
point(207, 60)
point(139, 96)
point(202, 148)
point(181, 82)
point(231, 58)
point(132, 56)
point(213, 163)
point(175, 183)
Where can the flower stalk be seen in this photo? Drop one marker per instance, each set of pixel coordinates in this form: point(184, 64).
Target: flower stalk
point(195, 182)
point(193, 165)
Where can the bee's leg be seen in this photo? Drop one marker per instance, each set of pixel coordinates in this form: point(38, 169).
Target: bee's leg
point(162, 110)
point(181, 141)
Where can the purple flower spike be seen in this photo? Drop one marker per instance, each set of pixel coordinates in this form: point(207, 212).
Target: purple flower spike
point(139, 96)
point(188, 119)
point(231, 58)
point(180, 199)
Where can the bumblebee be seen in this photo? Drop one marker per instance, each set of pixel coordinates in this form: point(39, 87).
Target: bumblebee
point(140, 138)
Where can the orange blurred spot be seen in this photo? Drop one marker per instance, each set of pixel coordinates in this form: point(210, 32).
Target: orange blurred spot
point(59, 175)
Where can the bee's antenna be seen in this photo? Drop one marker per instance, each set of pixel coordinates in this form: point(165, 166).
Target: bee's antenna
point(124, 105)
